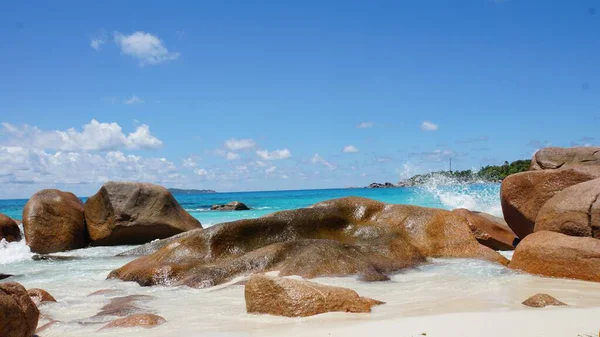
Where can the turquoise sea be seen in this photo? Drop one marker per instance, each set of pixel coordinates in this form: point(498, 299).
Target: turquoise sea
point(480, 197)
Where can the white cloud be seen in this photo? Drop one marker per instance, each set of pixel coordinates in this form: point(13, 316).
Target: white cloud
point(234, 144)
point(95, 136)
point(189, 162)
point(97, 43)
point(429, 126)
point(145, 47)
point(316, 159)
point(19, 165)
point(365, 125)
point(274, 155)
point(201, 172)
point(232, 156)
point(271, 169)
point(134, 100)
point(350, 149)
point(260, 163)
point(284, 176)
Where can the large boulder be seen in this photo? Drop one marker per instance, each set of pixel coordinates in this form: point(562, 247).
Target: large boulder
point(297, 298)
point(9, 229)
point(522, 195)
point(53, 222)
point(127, 213)
point(18, 314)
point(558, 157)
point(558, 255)
point(348, 236)
point(489, 230)
point(231, 206)
point(573, 211)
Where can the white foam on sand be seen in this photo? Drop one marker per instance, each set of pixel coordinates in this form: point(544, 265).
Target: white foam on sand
point(447, 297)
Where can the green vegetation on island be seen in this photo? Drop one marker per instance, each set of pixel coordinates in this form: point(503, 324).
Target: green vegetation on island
point(489, 173)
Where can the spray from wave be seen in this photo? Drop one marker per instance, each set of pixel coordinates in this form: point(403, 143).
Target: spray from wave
point(452, 193)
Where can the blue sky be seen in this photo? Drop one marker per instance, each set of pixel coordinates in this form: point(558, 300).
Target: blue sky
point(261, 95)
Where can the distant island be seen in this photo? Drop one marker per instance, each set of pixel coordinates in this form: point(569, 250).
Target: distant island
point(184, 191)
point(490, 173)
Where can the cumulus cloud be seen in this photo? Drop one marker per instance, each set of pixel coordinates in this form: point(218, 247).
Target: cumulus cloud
point(95, 136)
point(232, 156)
point(365, 125)
point(145, 47)
point(350, 149)
point(201, 172)
point(19, 165)
point(429, 126)
point(234, 144)
point(274, 155)
point(134, 100)
point(271, 169)
point(316, 159)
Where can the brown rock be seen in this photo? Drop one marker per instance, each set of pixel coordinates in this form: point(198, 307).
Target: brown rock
point(557, 157)
point(53, 222)
point(9, 229)
point(126, 213)
point(18, 314)
point(573, 211)
point(542, 300)
point(488, 230)
point(295, 298)
point(348, 236)
point(124, 306)
point(138, 320)
point(39, 296)
point(232, 206)
point(523, 194)
point(558, 255)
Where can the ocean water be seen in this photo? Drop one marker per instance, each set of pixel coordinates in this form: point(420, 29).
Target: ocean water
point(480, 197)
point(442, 286)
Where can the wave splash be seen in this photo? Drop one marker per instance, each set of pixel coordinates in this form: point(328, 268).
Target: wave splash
point(474, 195)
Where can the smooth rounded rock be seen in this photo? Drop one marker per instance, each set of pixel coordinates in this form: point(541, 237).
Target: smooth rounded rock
point(522, 195)
point(488, 230)
point(573, 211)
point(558, 255)
point(137, 320)
point(18, 314)
point(542, 300)
point(39, 296)
point(53, 222)
point(297, 298)
point(9, 229)
point(127, 213)
point(558, 157)
point(232, 206)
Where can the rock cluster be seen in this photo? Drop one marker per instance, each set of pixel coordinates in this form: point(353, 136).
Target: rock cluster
point(121, 213)
point(555, 209)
